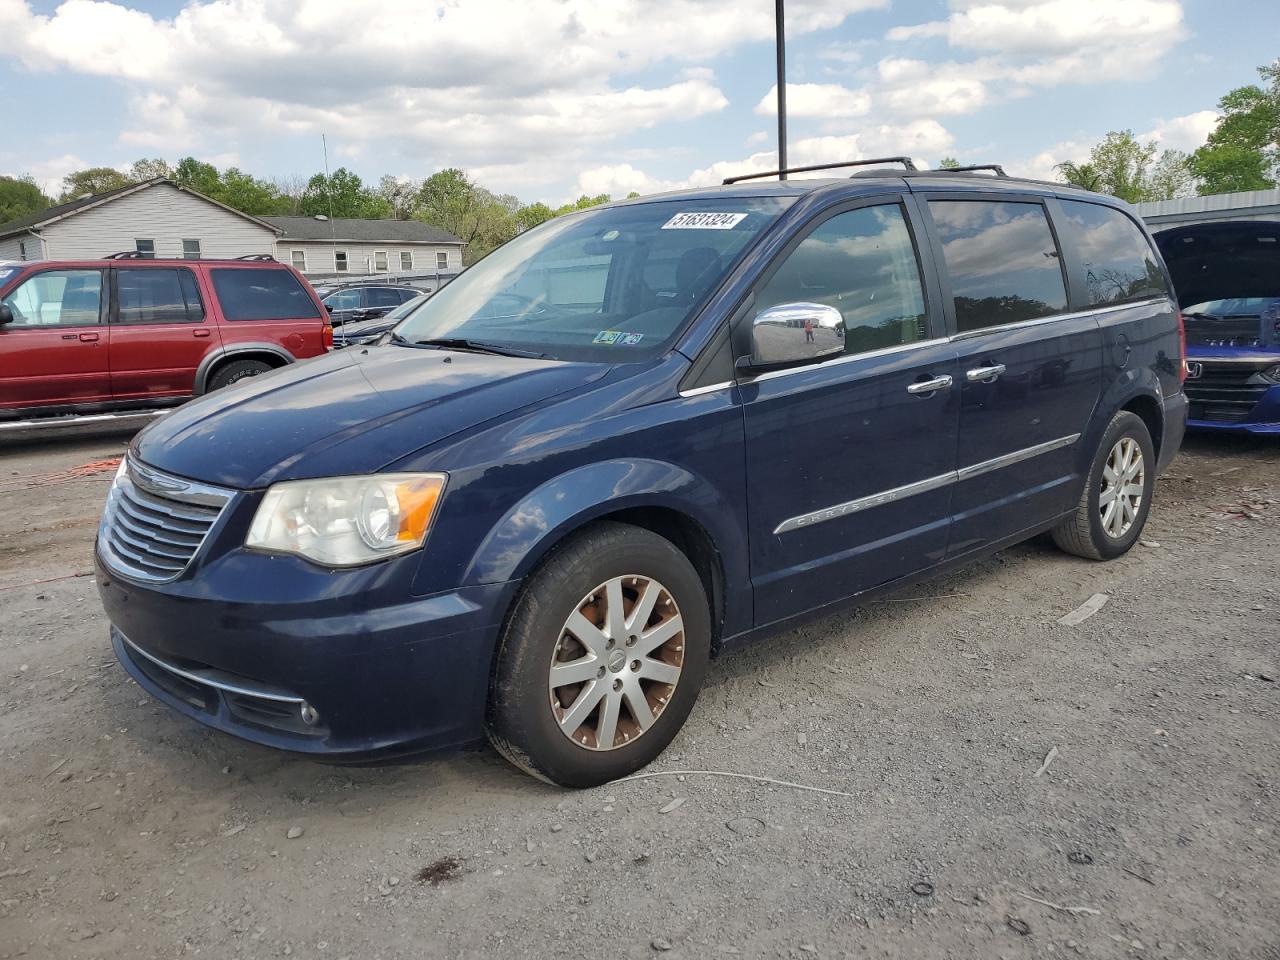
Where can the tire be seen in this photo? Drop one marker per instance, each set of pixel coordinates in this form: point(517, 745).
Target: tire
point(235, 371)
point(1093, 533)
point(545, 724)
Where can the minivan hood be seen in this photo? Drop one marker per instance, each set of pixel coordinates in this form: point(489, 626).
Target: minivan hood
point(350, 412)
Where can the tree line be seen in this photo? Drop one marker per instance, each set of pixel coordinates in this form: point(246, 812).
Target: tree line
point(449, 199)
point(1242, 153)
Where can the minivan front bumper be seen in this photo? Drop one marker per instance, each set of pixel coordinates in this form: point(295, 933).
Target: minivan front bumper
point(366, 682)
point(1230, 394)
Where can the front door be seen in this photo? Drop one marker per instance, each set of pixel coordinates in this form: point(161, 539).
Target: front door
point(54, 352)
point(1030, 371)
point(850, 461)
point(159, 332)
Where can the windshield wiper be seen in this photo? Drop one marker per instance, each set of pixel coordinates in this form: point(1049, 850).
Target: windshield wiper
point(477, 346)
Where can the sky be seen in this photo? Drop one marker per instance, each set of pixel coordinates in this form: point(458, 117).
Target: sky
point(549, 99)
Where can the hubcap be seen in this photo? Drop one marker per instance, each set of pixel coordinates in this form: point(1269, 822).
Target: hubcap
point(1123, 482)
point(617, 663)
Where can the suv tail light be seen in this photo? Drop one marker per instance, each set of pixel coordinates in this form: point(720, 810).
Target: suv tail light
point(327, 340)
point(1182, 348)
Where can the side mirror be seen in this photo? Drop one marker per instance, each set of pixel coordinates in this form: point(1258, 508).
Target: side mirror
point(6, 314)
point(793, 333)
point(328, 307)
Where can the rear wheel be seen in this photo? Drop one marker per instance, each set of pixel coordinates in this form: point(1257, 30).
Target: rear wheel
point(602, 659)
point(236, 371)
point(1116, 499)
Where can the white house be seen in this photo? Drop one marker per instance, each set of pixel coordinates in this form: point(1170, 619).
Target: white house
point(319, 246)
point(159, 218)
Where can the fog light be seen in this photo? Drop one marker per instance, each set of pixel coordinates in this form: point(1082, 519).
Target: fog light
point(309, 715)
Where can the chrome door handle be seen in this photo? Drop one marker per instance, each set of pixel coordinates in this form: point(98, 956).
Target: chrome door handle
point(984, 374)
point(929, 386)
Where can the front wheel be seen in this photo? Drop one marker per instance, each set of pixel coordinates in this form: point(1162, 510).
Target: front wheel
point(602, 659)
point(1116, 499)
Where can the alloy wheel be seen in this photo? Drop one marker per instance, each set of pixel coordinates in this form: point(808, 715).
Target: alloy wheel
point(617, 663)
point(1123, 484)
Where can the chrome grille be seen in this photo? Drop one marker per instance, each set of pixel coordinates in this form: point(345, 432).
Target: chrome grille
point(154, 523)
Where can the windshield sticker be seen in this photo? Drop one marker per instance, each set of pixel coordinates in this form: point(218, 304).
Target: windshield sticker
point(629, 339)
point(704, 221)
point(607, 336)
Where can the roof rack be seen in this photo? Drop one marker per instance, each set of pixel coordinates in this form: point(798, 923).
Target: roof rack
point(906, 162)
point(257, 256)
point(993, 167)
point(127, 255)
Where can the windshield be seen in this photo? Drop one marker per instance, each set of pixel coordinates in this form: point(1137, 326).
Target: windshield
point(613, 284)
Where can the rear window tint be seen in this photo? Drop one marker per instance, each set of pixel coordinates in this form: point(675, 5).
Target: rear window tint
point(1119, 264)
point(262, 295)
point(1002, 261)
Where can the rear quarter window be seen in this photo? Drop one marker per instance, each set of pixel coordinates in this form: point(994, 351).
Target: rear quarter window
point(1118, 262)
point(262, 295)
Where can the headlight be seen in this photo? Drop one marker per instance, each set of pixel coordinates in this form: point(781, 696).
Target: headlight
point(347, 521)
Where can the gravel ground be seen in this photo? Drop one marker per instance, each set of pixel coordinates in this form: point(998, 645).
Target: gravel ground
point(127, 831)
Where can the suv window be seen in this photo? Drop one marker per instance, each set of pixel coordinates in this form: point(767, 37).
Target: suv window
point(1002, 260)
point(157, 296)
point(1119, 264)
point(864, 264)
point(383, 297)
point(345, 300)
point(57, 298)
point(261, 295)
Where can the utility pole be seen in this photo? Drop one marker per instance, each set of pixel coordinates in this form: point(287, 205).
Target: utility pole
point(780, 30)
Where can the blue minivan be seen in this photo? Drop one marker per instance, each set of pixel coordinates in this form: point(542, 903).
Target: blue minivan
point(631, 439)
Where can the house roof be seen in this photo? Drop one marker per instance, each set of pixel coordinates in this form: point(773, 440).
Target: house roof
point(360, 231)
point(63, 210)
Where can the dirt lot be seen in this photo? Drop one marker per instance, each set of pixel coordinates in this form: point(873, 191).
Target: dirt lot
point(127, 831)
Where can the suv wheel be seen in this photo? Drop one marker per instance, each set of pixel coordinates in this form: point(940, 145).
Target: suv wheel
point(602, 659)
point(1116, 500)
point(237, 370)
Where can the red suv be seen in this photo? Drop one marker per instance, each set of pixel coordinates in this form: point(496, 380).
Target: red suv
point(90, 335)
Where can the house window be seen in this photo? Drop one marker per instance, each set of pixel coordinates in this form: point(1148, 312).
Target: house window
point(299, 259)
point(22, 251)
point(190, 249)
point(146, 249)
point(340, 261)
point(442, 261)
point(406, 259)
point(380, 261)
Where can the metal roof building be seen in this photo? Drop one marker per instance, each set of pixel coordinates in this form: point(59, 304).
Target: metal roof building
point(1250, 205)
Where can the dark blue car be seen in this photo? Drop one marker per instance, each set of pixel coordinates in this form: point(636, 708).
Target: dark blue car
point(1227, 276)
point(633, 438)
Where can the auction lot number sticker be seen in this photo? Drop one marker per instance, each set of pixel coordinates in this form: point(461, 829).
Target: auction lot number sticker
point(704, 221)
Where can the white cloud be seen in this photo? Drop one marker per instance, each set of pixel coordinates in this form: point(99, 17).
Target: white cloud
point(49, 173)
point(1182, 133)
point(473, 84)
point(1043, 166)
point(823, 100)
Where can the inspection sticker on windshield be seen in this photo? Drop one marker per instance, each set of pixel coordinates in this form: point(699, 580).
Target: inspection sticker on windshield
point(618, 338)
point(704, 221)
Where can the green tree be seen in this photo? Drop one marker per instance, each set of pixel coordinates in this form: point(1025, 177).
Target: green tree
point(948, 163)
point(1243, 151)
point(197, 175)
point(1125, 168)
point(1171, 177)
point(400, 194)
point(145, 169)
point(20, 197)
point(246, 193)
point(533, 214)
point(93, 180)
point(1086, 176)
point(342, 194)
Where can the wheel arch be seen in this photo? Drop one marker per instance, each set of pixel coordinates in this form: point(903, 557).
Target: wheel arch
point(271, 353)
point(662, 498)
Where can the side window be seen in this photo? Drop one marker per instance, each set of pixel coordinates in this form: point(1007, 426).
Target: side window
point(406, 260)
point(864, 264)
point(1119, 264)
point(340, 261)
point(298, 258)
point(146, 249)
point(1002, 261)
point(380, 261)
point(382, 297)
point(442, 261)
point(345, 300)
point(190, 249)
point(157, 296)
point(253, 294)
point(57, 298)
